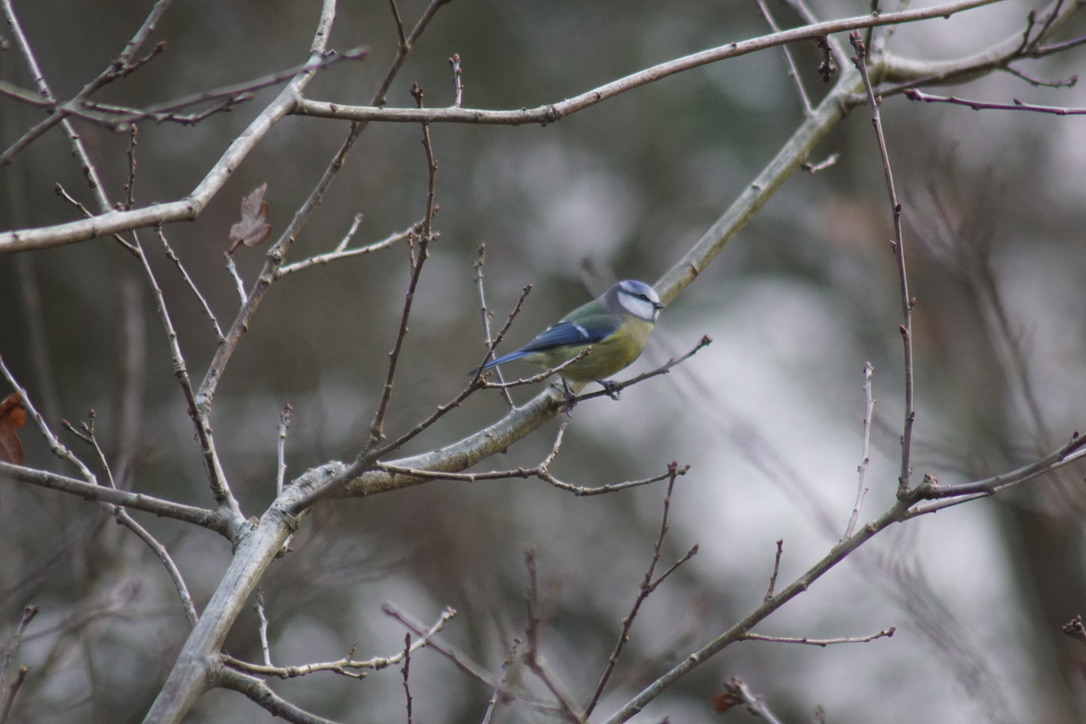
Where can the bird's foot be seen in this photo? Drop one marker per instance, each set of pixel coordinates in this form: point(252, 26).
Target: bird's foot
point(612, 388)
point(571, 399)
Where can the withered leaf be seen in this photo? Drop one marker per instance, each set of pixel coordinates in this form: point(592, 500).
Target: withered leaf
point(12, 417)
point(253, 228)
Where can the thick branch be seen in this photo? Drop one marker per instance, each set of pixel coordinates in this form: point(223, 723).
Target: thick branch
point(134, 501)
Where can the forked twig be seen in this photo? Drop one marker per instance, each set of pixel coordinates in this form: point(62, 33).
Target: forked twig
point(907, 302)
point(648, 585)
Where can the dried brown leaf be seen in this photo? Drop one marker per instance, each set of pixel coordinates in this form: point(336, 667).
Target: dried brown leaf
point(253, 228)
point(12, 417)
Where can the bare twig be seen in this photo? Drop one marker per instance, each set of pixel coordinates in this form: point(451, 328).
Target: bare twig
point(86, 433)
point(1073, 628)
point(834, 56)
point(458, 80)
point(1015, 105)
point(951, 495)
point(418, 258)
point(482, 382)
point(265, 647)
point(486, 315)
point(168, 250)
point(865, 459)
point(8, 692)
point(405, 672)
point(491, 344)
point(285, 418)
point(813, 168)
point(793, 72)
point(885, 633)
point(907, 302)
point(342, 252)
point(541, 471)
point(617, 387)
point(776, 570)
point(347, 666)
point(239, 283)
point(90, 171)
point(7, 696)
point(496, 696)
point(136, 501)
point(258, 691)
point(532, 656)
point(737, 692)
point(201, 416)
point(648, 585)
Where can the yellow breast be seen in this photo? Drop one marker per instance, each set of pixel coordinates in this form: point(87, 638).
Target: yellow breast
point(612, 354)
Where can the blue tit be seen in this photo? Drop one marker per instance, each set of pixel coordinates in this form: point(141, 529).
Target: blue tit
point(616, 325)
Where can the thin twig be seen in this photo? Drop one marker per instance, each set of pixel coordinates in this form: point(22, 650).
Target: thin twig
point(491, 344)
point(8, 693)
point(776, 570)
point(342, 252)
point(813, 168)
point(737, 692)
point(486, 315)
point(617, 387)
point(648, 585)
point(485, 383)
point(865, 458)
point(285, 418)
point(90, 171)
point(405, 672)
point(201, 417)
point(258, 691)
point(135, 501)
point(418, 257)
point(496, 696)
point(55, 445)
point(885, 633)
point(1015, 105)
point(541, 471)
point(239, 283)
point(168, 250)
point(907, 302)
point(458, 80)
point(532, 655)
point(262, 629)
point(86, 433)
point(1073, 628)
point(347, 666)
point(835, 56)
point(793, 72)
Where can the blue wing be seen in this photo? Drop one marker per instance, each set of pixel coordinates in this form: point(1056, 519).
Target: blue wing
point(563, 334)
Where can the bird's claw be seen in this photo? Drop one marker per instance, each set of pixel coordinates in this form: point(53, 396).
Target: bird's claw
point(612, 388)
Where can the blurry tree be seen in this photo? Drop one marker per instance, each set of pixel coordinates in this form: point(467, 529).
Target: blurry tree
point(317, 306)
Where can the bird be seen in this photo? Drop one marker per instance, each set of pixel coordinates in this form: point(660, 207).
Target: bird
point(616, 325)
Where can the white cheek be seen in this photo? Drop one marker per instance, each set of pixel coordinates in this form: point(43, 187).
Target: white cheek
point(638, 307)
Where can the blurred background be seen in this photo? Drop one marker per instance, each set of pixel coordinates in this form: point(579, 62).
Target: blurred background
point(769, 416)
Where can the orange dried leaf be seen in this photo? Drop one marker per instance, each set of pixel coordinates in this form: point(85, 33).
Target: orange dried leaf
point(253, 228)
point(12, 417)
